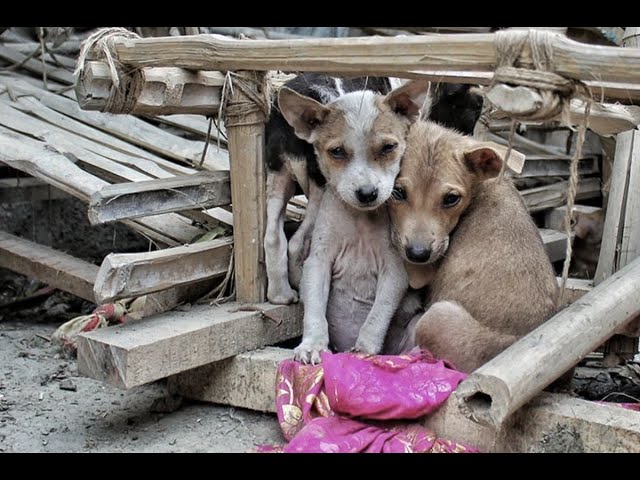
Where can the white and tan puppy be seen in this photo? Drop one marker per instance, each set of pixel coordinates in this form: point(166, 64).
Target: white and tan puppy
point(353, 280)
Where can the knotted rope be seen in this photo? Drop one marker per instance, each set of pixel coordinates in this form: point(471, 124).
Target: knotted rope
point(127, 83)
point(554, 92)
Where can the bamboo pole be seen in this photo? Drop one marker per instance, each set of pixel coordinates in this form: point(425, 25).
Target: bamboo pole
point(372, 55)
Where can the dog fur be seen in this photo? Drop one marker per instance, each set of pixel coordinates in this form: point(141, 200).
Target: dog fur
point(291, 166)
point(491, 281)
point(353, 281)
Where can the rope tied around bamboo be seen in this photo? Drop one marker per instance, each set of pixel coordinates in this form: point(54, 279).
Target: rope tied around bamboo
point(538, 94)
point(127, 83)
point(255, 97)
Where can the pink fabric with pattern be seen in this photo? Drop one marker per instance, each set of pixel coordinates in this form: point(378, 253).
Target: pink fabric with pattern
point(356, 403)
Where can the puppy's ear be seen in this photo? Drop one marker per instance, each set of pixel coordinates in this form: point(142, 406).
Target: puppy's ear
point(410, 98)
point(304, 114)
point(486, 159)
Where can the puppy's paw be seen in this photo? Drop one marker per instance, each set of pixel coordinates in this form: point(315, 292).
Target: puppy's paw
point(309, 351)
point(283, 296)
point(369, 344)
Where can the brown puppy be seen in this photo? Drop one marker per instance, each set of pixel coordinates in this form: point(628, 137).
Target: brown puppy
point(491, 279)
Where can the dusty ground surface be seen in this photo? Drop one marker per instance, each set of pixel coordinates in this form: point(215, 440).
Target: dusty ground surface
point(37, 413)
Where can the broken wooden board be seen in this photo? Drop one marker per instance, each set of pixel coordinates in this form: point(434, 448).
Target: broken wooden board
point(139, 199)
point(53, 267)
point(247, 380)
point(159, 346)
point(125, 275)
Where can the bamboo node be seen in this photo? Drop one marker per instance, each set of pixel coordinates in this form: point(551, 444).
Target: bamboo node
point(127, 83)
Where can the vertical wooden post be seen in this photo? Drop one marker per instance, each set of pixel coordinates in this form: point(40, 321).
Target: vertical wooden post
point(245, 135)
point(621, 236)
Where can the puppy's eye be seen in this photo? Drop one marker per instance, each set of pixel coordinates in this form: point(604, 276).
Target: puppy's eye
point(338, 152)
point(399, 194)
point(388, 148)
point(451, 200)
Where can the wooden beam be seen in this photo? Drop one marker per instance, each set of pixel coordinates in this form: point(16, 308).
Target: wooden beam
point(139, 199)
point(58, 269)
point(165, 91)
point(35, 65)
point(247, 380)
point(124, 275)
point(371, 55)
point(248, 192)
point(501, 386)
point(157, 347)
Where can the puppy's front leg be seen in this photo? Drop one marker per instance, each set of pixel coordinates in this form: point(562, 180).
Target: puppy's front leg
point(392, 285)
point(316, 281)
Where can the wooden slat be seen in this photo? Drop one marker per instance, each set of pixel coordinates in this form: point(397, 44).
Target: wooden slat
point(139, 199)
point(56, 268)
point(35, 65)
point(125, 275)
point(370, 55)
point(554, 195)
point(131, 129)
point(167, 344)
point(575, 288)
point(30, 156)
point(554, 218)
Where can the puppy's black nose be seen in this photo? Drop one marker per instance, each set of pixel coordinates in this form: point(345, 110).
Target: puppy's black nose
point(418, 253)
point(367, 194)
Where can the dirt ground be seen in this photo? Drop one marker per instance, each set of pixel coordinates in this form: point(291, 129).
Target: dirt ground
point(41, 412)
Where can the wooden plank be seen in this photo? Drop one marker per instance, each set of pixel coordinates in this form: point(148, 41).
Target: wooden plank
point(55, 268)
point(139, 199)
point(14, 190)
point(501, 386)
point(247, 380)
point(96, 141)
point(167, 344)
point(539, 166)
point(131, 129)
point(555, 243)
point(367, 55)
point(630, 242)
point(248, 191)
point(125, 275)
point(555, 194)
point(165, 91)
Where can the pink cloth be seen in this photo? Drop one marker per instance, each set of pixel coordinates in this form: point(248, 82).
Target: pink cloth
point(323, 408)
